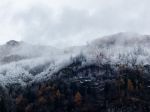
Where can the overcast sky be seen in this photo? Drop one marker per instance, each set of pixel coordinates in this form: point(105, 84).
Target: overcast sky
point(71, 22)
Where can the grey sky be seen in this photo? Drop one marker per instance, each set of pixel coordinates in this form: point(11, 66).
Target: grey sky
point(70, 22)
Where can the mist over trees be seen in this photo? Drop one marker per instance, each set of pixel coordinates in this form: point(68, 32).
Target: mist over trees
point(105, 75)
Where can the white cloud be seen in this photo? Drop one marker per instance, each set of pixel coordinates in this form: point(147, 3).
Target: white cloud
point(70, 22)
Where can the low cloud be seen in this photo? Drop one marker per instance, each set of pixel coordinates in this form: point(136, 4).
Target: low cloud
point(73, 23)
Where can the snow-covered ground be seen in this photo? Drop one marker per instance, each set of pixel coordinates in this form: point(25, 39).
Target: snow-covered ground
point(21, 62)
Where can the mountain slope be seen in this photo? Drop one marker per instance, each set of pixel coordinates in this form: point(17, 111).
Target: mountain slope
point(19, 58)
point(109, 74)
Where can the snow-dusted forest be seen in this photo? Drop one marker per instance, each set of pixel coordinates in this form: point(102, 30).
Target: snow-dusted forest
point(97, 76)
point(19, 60)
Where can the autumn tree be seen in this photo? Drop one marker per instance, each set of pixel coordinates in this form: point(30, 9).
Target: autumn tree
point(130, 85)
point(21, 103)
point(78, 98)
point(58, 94)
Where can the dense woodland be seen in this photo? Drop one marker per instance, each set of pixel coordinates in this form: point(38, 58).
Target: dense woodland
point(78, 88)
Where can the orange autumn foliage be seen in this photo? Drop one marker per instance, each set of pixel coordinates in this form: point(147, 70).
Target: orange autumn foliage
point(78, 98)
point(130, 85)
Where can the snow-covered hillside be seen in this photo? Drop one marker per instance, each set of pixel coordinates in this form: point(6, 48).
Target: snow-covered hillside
point(23, 63)
point(125, 48)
